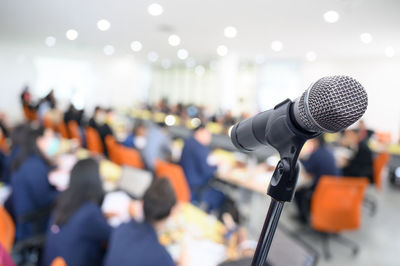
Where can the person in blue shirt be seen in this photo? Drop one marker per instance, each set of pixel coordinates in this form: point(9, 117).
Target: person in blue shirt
point(158, 145)
point(31, 190)
point(137, 138)
point(198, 171)
point(78, 231)
point(136, 243)
point(320, 162)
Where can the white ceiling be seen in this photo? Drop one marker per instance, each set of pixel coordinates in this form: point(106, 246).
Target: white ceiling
point(297, 23)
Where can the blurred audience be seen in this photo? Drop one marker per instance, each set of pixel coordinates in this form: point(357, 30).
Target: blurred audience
point(78, 231)
point(360, 164)
point(198, 170)
point(158, 145)
point(136, 243)
point(31, 191)
point(136, 138)
point(320, 162)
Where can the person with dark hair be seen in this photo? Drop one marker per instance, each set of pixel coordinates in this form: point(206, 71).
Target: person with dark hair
point(137, 138)
point(98, 122)
point(31, 190)
point(158, 145)
point(198, 170)
point(136, 243)
point(320, 162)
point(361, 163)
point(95, 119)
point(78, 231)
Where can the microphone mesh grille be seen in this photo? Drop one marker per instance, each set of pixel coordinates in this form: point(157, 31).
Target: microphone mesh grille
point(334, 103)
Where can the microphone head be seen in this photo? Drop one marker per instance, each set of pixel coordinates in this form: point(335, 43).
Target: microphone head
point(331, 104)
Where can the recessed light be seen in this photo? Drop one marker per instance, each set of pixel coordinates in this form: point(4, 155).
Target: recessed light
point(155, 9)
point(50, 41)
point(71, 34)
point(230, 32)
point(108, 50)
point(311, 56)
point(276, 46)
point(174, 40)
point(152, 56)
point(136, 46)
point(366, 37)
point(331, 16)
point(103, 25)
point(389, 51)
point(182, 54)
point(222, 50)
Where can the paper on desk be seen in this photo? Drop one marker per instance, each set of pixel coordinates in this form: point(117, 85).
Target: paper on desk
point(205, 253)
point(118, 204)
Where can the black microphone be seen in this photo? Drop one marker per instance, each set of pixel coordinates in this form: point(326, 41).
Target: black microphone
point(329, 105)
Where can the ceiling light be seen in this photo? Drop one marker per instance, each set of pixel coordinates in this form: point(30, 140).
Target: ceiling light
point(331, 16)
point(222, 50)
point(50, 41)
point(182, 54)
point(155, 9)
point(103, 25)
point(366, 37)
point(276, 46)
point(174, 40)
point(389, 51)
point(199, 70)
point(136, 46)
point(311, 56)
point(230, 32)
point(71, 34)
point(152, 56)
point(108, 50)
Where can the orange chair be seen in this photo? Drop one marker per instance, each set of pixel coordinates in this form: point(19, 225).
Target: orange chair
point(59, 261)
point(4, 145)
point(336, 207)
point(113, 150)
point(30, 115)
point(74, 132)
point(129, 157)
point(62, 129)
point(174, 173)
point(93, 141)
point(380, 162)
point(7, 230)
point(47, 123)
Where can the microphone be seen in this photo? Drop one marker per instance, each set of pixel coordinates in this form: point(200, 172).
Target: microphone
point(329, 105)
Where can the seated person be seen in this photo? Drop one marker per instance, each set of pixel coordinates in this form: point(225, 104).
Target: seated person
point(320, 162)
point(198, 172)
point(78, 231)
point(98, 122)
point(158, 145)
point(137, 138)
point(360, 164)
point(31, 190)
point(136, 243)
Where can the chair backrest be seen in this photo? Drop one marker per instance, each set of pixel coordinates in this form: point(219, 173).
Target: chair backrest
point(336, 203)
point(59, 261)
point(73, 129)
point(47, 123)
point(93, 141)
point(62, 129)
point(30, 114)
point(174, 173)
point(130, 157)
point(113, 150)
point(7, 229)
point(4, 147)
point(380, 162)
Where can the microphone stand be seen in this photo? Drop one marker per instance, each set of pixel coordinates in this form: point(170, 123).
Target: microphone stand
point(284, 135)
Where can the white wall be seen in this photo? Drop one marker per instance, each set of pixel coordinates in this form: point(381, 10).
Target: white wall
point(117, 81)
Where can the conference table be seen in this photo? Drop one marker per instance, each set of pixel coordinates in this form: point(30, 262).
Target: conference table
point(200, 234)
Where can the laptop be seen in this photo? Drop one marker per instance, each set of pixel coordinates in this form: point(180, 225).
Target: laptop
point(135, 181)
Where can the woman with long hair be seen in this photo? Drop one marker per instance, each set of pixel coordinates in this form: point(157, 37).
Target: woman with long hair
point(31, 190)
point(78, 230)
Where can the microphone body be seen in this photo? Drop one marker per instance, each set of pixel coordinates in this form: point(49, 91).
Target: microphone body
point(329, 105)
